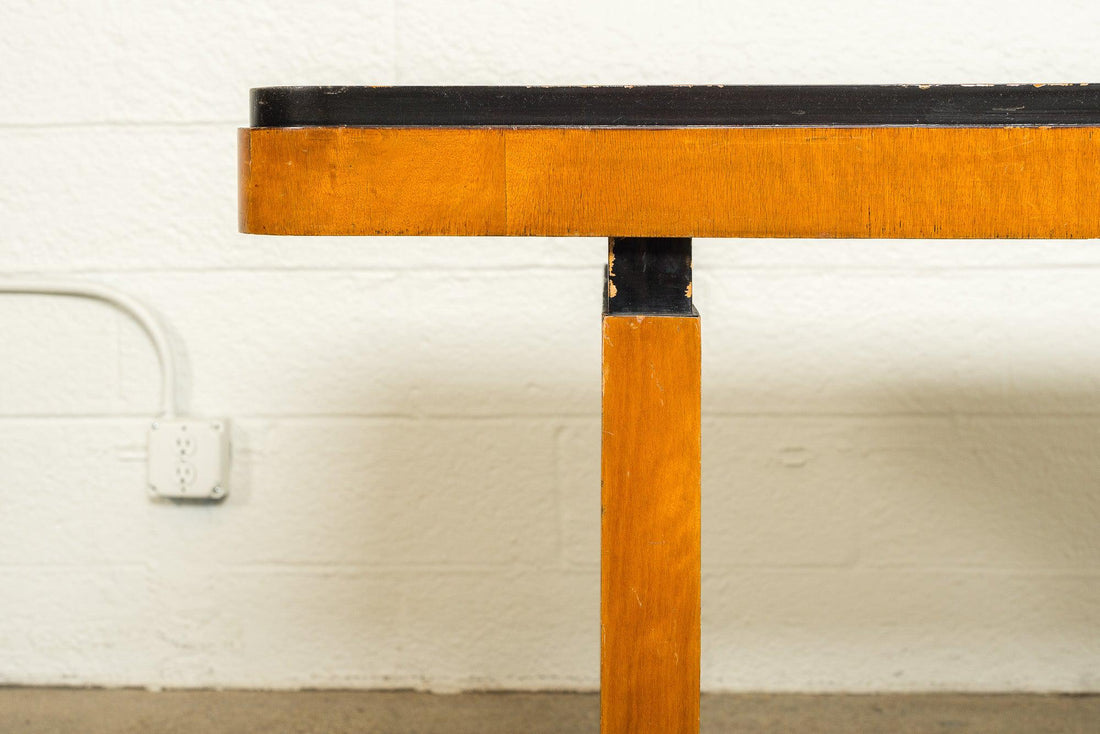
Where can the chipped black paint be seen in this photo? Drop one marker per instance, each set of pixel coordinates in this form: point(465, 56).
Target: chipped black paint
point(681, 106)
point(648, 276)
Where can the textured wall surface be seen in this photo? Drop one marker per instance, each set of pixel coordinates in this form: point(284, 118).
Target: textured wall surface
point(901, 457)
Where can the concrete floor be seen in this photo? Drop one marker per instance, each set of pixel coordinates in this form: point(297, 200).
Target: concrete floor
point(64, 711)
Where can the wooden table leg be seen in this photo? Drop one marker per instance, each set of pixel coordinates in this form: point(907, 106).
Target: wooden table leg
point(650, 569)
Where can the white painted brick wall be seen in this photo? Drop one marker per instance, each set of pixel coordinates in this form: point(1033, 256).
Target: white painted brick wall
point(902, 439)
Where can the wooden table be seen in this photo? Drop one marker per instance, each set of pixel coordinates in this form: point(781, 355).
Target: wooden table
point(650, 168)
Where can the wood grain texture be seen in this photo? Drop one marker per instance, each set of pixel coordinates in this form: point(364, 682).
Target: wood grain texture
point(650, 583)
point(371, 181)
point(924, 182)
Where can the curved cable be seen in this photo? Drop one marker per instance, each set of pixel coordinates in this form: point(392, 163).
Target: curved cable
point(127, 305)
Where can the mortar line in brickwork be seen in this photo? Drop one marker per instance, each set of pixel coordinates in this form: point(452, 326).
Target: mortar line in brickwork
point(568, 268)
point(714, 571)
point(119, 124)
point(710, 571)
point(559, 503)
point(312, 269)
point(543, 417)
point(434, 568)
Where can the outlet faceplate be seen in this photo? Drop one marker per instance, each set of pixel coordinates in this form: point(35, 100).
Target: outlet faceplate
point(189, 458)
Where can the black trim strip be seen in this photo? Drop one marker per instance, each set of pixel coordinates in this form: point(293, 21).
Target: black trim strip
point(684, 106)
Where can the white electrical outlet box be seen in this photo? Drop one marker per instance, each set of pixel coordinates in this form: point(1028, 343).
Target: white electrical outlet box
point(189, 458)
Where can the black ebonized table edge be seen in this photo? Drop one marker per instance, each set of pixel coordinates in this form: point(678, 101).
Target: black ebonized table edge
point(1002, 105)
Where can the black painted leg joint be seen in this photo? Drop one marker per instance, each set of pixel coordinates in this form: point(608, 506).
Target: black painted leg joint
point(648, 276)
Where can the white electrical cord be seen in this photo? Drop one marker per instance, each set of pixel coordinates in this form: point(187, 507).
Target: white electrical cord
point(127, 305)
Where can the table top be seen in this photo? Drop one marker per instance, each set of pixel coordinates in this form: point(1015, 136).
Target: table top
point(924, 161)
point(679, 106)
